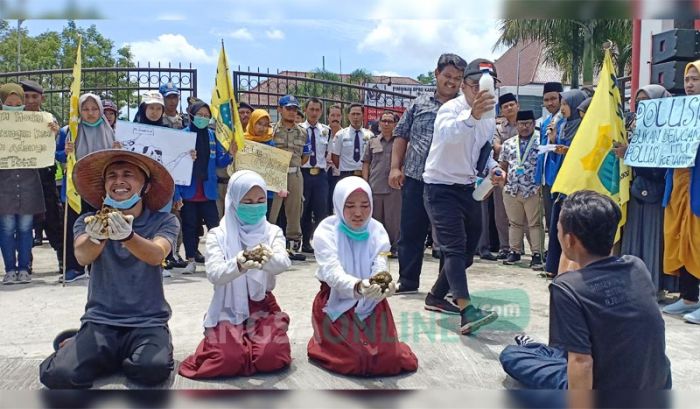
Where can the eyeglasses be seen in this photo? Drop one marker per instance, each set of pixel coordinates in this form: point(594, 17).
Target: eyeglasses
point(387, 121)
point(525, 124)
point(473, 87)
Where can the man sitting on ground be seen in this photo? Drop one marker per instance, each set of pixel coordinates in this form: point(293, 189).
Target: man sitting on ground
point(605, 328)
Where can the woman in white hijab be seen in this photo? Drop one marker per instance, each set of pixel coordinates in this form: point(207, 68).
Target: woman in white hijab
point(245, 331)
point(354, 330)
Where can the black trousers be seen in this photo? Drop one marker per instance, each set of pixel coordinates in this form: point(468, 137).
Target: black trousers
point(414, 225)
point(144, 354)
point(456, 217)
point(315, 202)
point(52, 220)
point(71, 261)
point(688, 285)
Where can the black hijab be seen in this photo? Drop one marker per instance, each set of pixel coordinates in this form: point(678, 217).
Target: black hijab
point(201, 164)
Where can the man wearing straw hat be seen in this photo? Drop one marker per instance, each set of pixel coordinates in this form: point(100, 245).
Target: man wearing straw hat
point(125, 325)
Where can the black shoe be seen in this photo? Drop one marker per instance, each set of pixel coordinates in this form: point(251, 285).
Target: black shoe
point(436, 254)
point(474, 318)
point(536, 263)
point(63, 336)
point(488, 256)
point(179, 261)
point(402, 289)
point(433, 303)
point(502, 254)
point(513, 258)
point(36, 242)
point(306, 248)
point(169, 262)
point(295, 256)
point(394, 254)
point(198, 257)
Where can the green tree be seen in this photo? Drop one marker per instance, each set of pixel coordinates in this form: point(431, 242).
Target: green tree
point(427, 79)
point(574, 46)
point(52, 50)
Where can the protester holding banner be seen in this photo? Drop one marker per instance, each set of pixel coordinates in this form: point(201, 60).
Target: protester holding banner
point(23, 197)
point(51, 222)
point(199, 197)
point(682, 223)
point(258, 129)
point(290, 137)
point(245, 331)
point(94, 134)
point(643, 232)
point(111, 112)
point(570, 100)
point(354, 329)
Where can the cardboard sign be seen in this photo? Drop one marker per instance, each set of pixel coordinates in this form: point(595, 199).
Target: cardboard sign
point(26, 141)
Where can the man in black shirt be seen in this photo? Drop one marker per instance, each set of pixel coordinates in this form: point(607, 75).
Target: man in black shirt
point(605, 328)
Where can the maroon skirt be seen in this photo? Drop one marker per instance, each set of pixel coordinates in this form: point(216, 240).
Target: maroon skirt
point(351, 346)
point(260, 344)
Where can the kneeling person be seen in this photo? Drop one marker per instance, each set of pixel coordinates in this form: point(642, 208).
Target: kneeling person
point(245, 331)
point(354, 329)
point(125, 325)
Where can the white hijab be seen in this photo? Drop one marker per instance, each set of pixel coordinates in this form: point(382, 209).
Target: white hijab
point(355, 257)
point(234, 236)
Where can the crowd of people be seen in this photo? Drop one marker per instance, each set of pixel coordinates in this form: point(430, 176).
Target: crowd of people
point(354, 198)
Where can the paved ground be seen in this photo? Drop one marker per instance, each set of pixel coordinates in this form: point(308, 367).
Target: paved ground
point(33, 314)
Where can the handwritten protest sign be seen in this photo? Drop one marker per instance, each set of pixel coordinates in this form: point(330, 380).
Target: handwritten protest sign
point(170, 147)
point(271, 163)
point(667, 133)
point(26, 141)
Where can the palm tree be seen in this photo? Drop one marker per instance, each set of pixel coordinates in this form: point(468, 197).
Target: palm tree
point(571, 45)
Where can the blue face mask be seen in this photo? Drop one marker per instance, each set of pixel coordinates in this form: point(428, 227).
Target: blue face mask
point(251, 213)
point(123, 204)
point(92, 124)
point(357, 235)
point(13, 109)
point(200, 122)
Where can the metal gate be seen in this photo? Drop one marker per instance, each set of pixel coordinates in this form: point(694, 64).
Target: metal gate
point(123, 85)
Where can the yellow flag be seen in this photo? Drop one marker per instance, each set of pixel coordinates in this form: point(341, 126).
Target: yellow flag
point(72, 196)
point(590, 163)
point(224, 107)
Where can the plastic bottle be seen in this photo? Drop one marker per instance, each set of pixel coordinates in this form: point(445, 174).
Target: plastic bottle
point(486, 83)
point(484, 187)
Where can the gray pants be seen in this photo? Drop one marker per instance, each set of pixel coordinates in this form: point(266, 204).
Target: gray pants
point(387, 210)
point(501, 218)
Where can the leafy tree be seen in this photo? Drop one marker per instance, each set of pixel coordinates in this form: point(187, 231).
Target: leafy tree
point(571, 45)
point(53, 50)
point(427, 79)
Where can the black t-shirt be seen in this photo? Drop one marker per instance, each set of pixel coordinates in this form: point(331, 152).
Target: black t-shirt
point(608, 310)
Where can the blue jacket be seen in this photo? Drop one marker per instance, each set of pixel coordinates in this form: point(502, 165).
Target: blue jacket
point(218, 158)
point(548, 164)
point(694, 187)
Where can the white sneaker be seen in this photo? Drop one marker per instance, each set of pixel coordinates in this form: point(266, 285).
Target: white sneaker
point(10, 278)
point(167, 274)
point(191, 268)
point(693, 317)
point(24, 277)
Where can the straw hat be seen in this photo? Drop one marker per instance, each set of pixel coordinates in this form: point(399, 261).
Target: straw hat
point(88, 175)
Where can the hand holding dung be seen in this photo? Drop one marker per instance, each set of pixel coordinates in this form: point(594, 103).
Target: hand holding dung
point(255, 257)
point(120, 226)
point(95, 229)
point(369, 290)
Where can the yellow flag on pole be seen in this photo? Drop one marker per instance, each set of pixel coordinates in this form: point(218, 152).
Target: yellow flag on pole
point(72, 196)
point(224, 107)
point(590, 163)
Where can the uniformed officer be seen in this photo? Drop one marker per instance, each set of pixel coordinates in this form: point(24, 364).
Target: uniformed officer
point(349, 145)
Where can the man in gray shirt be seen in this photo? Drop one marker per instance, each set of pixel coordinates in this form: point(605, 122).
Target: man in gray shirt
point(125, 325)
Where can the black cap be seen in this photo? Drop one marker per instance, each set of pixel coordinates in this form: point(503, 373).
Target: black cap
point(525, 115)
point(31, 86)
point(505, 98)
point(552, 87)
point(475, 67)
point(245, 105)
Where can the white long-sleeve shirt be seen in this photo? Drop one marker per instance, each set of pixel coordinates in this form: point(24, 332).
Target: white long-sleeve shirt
point(457, 141)
point(222, 272)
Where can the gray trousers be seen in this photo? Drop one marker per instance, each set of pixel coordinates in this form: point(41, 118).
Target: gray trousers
point(501, 218)
point(387, 210)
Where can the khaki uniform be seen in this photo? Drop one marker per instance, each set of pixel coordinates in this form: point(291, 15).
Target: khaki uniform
point(291, 140)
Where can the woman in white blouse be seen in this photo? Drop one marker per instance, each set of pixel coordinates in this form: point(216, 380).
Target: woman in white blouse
point(245, 331)
point(354, 330)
